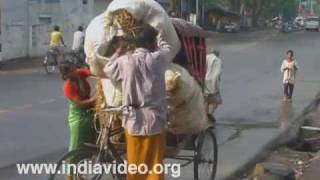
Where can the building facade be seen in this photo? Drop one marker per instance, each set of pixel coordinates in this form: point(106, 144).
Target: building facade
point(26, 24)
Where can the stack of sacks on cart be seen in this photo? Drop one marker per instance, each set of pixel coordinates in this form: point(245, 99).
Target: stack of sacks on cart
point(185, 99)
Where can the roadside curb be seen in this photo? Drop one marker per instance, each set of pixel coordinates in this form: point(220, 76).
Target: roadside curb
point(20, 63)
point(286, 136)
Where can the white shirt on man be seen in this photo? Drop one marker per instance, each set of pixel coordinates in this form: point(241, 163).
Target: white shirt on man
point(212, 80)
point(78, 40)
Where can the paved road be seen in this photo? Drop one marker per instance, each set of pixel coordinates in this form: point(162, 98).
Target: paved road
point(33, 112)
point(252, 91)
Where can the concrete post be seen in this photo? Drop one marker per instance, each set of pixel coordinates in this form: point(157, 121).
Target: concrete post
point(28, 32)
point(197, 11)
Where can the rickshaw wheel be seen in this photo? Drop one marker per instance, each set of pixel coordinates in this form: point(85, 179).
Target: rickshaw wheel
point(205, 155)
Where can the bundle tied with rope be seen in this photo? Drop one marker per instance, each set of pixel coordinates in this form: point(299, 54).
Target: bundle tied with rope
point(127, 23)
point(100, 105)
point(131, 27)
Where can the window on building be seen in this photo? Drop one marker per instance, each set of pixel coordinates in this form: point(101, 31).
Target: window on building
point(33, 36)
point(84, 1)
point(0, 47)
point(45, 20)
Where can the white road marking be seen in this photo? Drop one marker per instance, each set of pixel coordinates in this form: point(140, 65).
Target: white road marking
point(2, 111)
point(47, 101)
point(27, 106)
point(21, 71)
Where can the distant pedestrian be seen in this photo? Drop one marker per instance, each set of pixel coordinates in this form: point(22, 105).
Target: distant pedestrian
point(212, 83)
point(78, 40)
point(78, 45)
point(289, 68)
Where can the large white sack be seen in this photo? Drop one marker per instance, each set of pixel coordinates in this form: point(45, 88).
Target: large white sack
point(113, 90)
point(151, 12)
point(99, 34)
point(186, 102)
point(100, 31)
point(96, 38)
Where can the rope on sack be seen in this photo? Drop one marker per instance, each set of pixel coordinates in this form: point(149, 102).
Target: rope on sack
point(127, 22)
point(131, 28)
point(100, 114)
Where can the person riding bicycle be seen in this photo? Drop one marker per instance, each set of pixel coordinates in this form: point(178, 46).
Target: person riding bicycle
point(56, 40)
point(143, 86)
point(78, 43)
point(77, 91)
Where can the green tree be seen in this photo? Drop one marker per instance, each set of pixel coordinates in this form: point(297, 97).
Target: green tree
point(286, 8)
point(261, 8)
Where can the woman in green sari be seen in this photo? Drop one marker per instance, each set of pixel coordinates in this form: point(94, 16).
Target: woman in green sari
point(77, 91)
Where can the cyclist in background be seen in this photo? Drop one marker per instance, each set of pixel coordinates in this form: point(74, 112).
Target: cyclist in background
point(78, 39)
point(78, 44)
point(56, 40)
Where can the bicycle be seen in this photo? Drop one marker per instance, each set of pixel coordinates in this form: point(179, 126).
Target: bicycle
point(103, 152)
point(50, 61)
point(204, 158)
point(78, 58)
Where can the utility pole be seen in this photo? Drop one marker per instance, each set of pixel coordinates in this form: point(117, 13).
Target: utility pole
point(312, 7)
point(197, 11)
point(28, 29)
point(202, 12)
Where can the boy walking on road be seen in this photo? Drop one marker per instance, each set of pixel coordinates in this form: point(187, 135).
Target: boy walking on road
point(289, 68)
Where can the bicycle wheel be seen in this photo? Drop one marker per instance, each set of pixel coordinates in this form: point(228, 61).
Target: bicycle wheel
point(111, 159)
point(49, 65)
point(79, 156)
point(206, 156)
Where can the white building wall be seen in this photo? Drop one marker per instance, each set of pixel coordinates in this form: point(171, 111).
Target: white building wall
point(68, 14)
point(14, 36)
point(26, 24)
point(100, 6)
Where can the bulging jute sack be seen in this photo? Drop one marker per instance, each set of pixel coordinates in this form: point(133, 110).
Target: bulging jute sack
point(186, 102)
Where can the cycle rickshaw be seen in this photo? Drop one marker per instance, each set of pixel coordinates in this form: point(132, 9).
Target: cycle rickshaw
point(203, 145)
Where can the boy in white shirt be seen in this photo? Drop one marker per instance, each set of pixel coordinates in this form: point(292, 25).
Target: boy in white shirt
point(289, 68)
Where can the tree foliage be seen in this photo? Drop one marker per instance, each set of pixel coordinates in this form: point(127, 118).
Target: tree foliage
point(261, 8)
